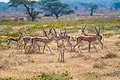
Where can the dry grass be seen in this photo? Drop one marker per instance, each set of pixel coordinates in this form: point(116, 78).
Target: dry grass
point(101, 65)
point(15, 64)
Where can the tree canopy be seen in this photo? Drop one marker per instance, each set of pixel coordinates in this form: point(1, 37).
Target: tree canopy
point(116, 5)
point(90, 6)
point(56, 7)
point(29, 5)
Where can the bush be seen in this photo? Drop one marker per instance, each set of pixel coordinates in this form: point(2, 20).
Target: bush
point(45, 76)
point(117, 43)
point(110, 55)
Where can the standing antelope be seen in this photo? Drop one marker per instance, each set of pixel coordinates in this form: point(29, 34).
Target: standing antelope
point(61, 47)
point(28, 39)
point(45, 41)
point(37, 41)
point(63, 35)
point(89, 38)
point(15, 39)
point(97, 33)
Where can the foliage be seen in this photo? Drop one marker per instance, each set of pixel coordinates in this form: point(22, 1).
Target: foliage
point(7, 78)
point(116, 5)
point(90, 6)
point(29, 5)
point(56, 7)
point(44, 76)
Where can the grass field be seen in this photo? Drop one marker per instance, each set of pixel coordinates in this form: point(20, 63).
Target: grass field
point(101, 65)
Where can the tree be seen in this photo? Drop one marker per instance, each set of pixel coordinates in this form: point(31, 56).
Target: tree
point(116, 5)
point(29, 5)
point(56, 7)
point(90, 6)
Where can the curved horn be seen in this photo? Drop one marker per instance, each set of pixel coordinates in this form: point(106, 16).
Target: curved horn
point(84, 27)
point(54, 31)
point(99, 29)
point(50, 30)
point(44, 32)
point(65, 32)
point(96, 30)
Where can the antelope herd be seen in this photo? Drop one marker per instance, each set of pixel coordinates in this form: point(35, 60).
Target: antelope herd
point(60, 39)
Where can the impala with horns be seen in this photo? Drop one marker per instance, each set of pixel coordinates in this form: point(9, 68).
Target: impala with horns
point(89, 38)
point(63, 35)
point(28, 39)
point(36, 41)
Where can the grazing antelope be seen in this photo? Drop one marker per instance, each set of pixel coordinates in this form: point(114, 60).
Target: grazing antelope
point(15, 39)
point(89, 39)
point(61, 47)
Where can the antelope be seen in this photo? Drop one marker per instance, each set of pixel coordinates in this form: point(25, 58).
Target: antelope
point(28, 39)
point(63, 35)
point(61, 47)
point(97, 33)
point(89, 38)
point(15, 39)
point(45, 41)
point(37, 41)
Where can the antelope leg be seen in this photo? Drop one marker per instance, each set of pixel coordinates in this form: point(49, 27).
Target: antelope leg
point(49, 49)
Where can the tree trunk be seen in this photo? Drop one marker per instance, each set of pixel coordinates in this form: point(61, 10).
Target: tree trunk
point(91, 13)
point(29, 12)
point(32, 18)
point(56, 15)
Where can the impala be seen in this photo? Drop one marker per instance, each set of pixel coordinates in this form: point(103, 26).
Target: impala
point(89, 39)
point(37, 41)
point(61, 47)
point(63, 35)
point(15, 39)
point(28, 39)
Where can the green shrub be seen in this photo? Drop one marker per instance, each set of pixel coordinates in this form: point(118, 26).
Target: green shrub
point(7, 78)
point(45, 76)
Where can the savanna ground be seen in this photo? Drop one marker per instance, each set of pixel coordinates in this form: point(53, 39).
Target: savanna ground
point(101, 65)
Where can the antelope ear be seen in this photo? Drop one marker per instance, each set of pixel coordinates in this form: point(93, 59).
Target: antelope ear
point(21, 33)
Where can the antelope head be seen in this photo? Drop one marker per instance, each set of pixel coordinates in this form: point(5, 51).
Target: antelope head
point(83, 30)
point(50, 31)
point(21, 34)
